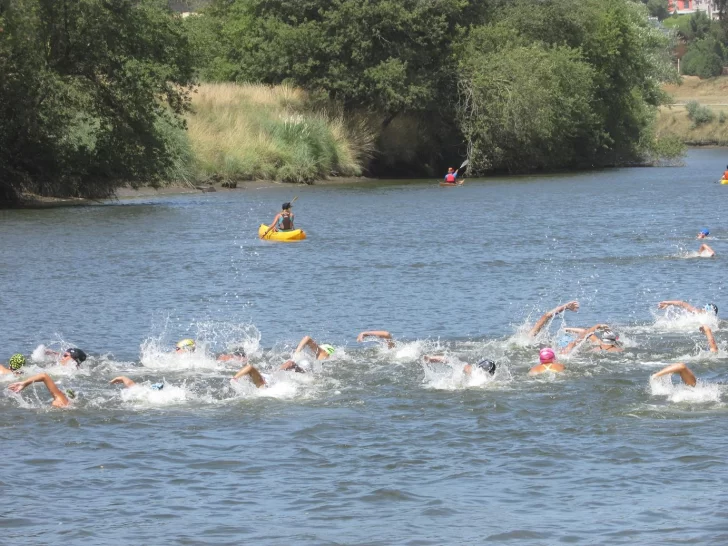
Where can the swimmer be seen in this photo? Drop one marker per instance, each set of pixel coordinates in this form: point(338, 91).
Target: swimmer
point(485, 365)
point(15, 362)
point(255, 376)
point(548, 363)
point(686, 374)
point(571, 306)
point(129, 383)
point(322, 351)
point(609, 342)
point(709, 308)
point(185, 346)
point(69, 356)
point(60, 399)
point(706, 252)
point(583, 333)
point(381, 334)
point(712, 345)
point(236, 355)
point(703, 233)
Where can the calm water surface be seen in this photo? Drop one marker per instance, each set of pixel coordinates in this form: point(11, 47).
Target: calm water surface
point(374, 446)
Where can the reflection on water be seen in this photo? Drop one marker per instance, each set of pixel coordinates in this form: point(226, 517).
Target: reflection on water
point(373, 446)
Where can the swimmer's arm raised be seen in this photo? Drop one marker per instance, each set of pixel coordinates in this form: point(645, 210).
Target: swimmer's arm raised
point(122, 379)
point(585, 333)
point(381, 334)
point(711, 340)
point(677, 303)
point(571, 306)
point(59, 399)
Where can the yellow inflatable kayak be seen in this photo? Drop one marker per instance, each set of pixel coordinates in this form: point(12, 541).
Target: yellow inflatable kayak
point(285, 236)
point(451, 184)
point(724, 181)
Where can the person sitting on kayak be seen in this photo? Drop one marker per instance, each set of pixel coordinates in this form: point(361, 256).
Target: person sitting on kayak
point(451, 176)
point(725, 173)
point(283, 220)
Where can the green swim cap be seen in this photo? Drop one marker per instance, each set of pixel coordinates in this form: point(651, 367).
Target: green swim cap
point(16, 362)
point(71, 393)
point(328, 348)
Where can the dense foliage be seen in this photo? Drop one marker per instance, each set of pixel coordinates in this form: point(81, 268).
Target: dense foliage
point(93, 90)
point(705, 39)
point(529, 84)
point(89, 95)
point(572, 83)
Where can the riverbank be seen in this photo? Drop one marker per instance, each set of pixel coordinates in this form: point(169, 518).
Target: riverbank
point(176, 188)
point(708, 129)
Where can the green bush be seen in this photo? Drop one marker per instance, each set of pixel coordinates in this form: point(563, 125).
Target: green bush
point(704, 58)
point(698, 114)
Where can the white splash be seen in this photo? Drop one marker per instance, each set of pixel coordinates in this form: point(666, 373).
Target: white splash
point(700, 393)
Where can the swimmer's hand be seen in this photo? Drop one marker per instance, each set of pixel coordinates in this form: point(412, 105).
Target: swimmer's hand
point(17, 387)
point(571, 306)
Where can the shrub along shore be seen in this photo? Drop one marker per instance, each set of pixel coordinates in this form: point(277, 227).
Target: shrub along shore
point(698, 115)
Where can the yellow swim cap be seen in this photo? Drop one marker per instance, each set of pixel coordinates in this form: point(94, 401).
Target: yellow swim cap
point(186, 345)
point(328, 348)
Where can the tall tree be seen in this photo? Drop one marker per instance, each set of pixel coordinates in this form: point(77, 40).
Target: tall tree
point(86, 85)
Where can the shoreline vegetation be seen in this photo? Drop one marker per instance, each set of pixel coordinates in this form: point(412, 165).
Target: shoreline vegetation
point(697, 113)
point(99, 96)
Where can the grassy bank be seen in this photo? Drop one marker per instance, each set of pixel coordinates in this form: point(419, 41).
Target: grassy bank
point(711, 94)
point(245, 132)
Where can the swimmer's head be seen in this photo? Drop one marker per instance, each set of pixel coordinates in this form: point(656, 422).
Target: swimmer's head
point(70, 393)
point(16, 362)
point(610, 338)
point(76, 354)
point(328, 348)
point(286, 206)
point(704, 233)
point(238, 351)
point(711, 308)
point(546, 355)
point(156, 386)
point(185, 346)
point(487, 365)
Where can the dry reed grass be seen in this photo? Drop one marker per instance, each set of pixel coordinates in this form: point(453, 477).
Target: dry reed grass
point(246, 131)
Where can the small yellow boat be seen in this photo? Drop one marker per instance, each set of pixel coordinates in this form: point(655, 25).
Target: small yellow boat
point(284, 236)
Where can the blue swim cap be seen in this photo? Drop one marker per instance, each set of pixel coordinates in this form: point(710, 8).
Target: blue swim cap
point(157, 386)
point(563, 340)
point(705, 231)
point(711, 308)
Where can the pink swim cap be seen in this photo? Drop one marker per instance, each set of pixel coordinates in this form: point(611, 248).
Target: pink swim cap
point(546, 355)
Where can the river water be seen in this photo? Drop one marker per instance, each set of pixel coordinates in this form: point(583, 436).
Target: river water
point(374, 446)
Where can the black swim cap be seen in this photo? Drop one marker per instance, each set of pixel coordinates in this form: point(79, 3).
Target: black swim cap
point(711, 307)
point(239, 351)
point(487, 365)
point(286, 206)
point(77, 354)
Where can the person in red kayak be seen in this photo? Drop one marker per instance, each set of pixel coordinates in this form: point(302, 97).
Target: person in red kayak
point(451, 176)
